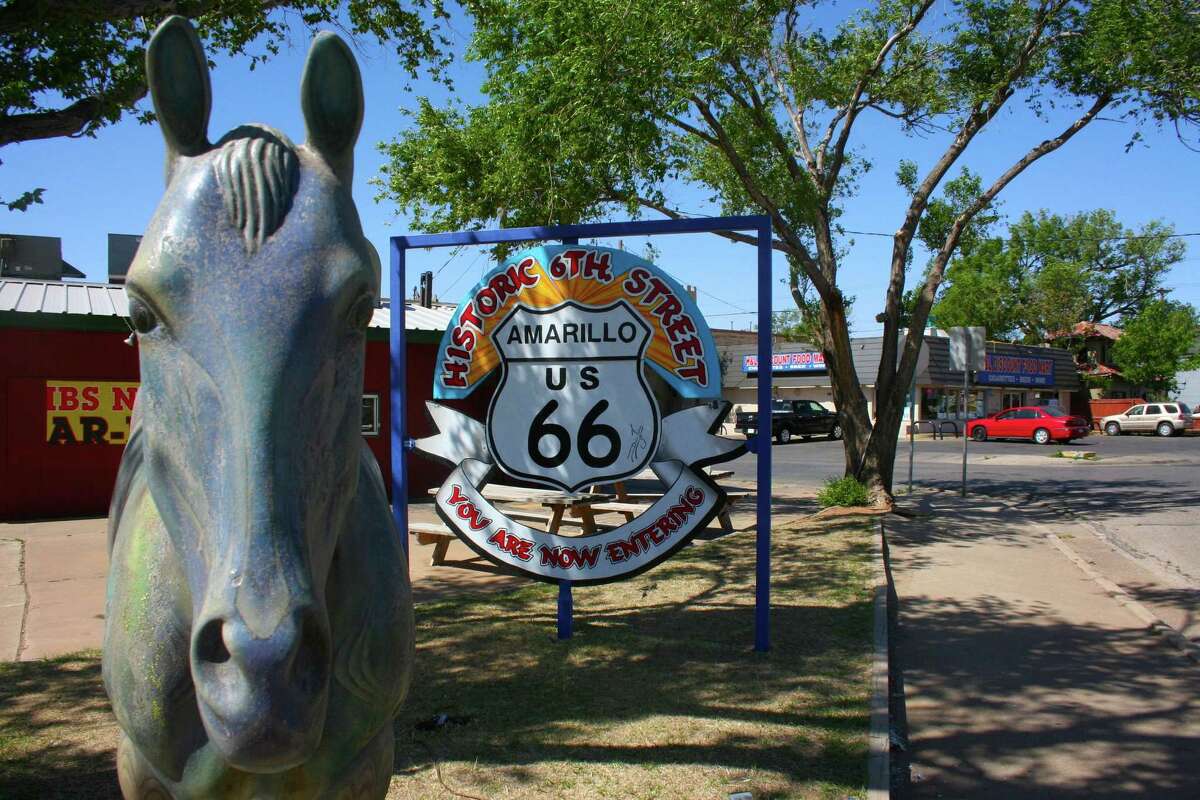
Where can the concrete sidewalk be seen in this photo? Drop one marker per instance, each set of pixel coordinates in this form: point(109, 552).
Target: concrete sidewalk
point(1022, 676)
point(53, 575)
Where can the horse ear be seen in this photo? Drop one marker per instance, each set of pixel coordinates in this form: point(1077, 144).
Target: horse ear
point(332, 99)
point(177, 73)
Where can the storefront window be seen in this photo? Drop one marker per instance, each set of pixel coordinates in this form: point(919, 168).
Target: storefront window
point(1014, 399)
point(1046, 400)
point(944, 403)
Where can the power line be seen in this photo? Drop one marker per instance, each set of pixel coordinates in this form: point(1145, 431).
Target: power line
point(1122, 237)
point(726, 302)
point(464, 272)
point(453, 254)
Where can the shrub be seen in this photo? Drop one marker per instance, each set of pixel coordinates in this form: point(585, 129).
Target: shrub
point(844, 491)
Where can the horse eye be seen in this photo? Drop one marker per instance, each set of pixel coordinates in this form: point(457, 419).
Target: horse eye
point(141, 316)
point(361, 313)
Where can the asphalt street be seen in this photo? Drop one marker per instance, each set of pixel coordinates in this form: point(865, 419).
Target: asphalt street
point(1141, 492)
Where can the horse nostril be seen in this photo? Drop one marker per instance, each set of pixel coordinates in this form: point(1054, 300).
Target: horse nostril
point(210, 643)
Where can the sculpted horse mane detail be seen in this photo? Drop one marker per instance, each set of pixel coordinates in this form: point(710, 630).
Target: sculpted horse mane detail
point(259, 632)
point(257, 171)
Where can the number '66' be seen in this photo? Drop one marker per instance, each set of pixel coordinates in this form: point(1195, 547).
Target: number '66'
point(589, 429)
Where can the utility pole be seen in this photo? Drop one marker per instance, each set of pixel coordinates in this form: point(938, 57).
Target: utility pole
point(966, 354)
point(966, 385)
point(912, 423)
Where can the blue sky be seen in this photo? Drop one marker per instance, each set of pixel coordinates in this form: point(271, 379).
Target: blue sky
point(113, 182)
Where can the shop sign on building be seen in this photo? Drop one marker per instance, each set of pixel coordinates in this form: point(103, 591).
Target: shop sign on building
point(807, 361)
point(1012, 370)
point(572, 331)
point(89, 412)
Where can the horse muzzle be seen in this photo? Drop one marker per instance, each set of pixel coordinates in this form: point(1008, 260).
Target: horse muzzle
point(263, 693)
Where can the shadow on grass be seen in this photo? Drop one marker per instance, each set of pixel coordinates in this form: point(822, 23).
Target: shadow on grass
point(57, 733)
point(661, 674)
point(659, 693)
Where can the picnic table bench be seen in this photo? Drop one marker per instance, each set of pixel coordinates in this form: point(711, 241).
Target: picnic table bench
point(436, 534)
point(576, 510)
point(440, 536)
point(633, 500)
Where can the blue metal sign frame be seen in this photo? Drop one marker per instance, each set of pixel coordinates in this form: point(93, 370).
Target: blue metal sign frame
point(570, 234)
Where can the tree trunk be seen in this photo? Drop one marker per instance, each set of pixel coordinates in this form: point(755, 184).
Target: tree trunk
point(847, 391)
point(880, 461)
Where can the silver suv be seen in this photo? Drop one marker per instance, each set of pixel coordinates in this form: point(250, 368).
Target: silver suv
point(1165, 419)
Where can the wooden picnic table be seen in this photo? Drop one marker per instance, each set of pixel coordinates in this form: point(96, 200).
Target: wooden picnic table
point(572, 509)
point(622, 493)
point(559, 503)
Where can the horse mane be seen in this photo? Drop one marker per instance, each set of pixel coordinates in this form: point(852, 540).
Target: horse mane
point(257, 171)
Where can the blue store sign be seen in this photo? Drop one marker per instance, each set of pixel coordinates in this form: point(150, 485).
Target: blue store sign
point(808, 361)
point(1009, 370)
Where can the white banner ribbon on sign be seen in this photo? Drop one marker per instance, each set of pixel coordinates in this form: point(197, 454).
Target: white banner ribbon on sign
point(689, 503)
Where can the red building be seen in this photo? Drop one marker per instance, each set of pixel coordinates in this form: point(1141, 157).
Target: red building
point(67, 382)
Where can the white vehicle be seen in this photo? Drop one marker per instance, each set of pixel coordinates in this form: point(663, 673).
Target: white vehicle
point(1165, 419)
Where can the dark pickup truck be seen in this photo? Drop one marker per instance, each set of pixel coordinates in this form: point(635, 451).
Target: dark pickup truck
point(790, 418)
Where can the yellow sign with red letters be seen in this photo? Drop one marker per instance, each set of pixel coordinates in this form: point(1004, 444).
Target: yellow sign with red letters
point(89, 412)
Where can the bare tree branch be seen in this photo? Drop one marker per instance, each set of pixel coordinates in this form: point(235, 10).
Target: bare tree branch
point(853, 107)
point(756, 193)
point(920, 314)
point(985, 199)
point(19, 15)
point(795, 115)
point(981, 114)
point(687, 127)
point(71, 120)
point(672, 213)
point(979, 117)
point(765, 121)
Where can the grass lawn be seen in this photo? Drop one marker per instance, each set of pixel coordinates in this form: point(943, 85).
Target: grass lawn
point(659, 695)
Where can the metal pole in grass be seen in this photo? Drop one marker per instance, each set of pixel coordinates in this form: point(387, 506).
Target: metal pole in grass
point(398, 408)
point(566, 595)
point(762, 571)
point(566, 610)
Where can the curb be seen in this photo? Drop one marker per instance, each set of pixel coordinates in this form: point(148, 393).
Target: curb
point(24, 614)
point(879, 766)
point(1154, 623)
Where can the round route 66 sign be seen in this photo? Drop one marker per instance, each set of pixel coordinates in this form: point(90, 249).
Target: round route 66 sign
point(573, 331)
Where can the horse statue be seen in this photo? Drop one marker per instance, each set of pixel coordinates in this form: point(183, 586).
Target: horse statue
point(259, 631)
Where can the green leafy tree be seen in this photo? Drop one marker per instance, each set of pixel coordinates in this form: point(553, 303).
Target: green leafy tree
point(1054, 271)
point(1161, 341)
point(69, 68)
point(985, 288)
point(596, 108)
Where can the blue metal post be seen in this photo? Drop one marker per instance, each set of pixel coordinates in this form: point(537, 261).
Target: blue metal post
point(566, 596)
point(762, 575)
point(398, 408)
point(566, 610)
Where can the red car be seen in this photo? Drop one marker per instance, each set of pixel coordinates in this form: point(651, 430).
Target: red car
point(1041, 424)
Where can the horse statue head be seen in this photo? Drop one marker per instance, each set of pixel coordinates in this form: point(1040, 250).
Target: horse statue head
point(259, 628)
